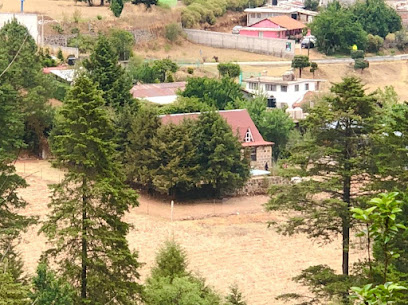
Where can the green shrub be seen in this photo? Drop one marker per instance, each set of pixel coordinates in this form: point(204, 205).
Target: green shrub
point(122, 41)
point(229, 69)
point(84, 43)
point(170, 78)
point(58, 28)
point(357, 54)
point(190, 70)
point(60, 56)
point(173, 31)
point(374, 43)
point(189, 18)
point(99, 17)
point(360, 63)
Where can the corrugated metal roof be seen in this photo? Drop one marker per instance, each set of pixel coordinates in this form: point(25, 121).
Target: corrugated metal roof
point(153, 90)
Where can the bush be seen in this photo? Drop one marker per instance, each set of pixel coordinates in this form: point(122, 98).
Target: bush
point(60, 56)
point(374, 43)
point(190, 70)
point(116, 7)
point(357, 54)
point(99, 17)
point(189, 18)
point(58, 28)
point(173, 31)
point(84, 43)
point(360, 63)
point(229, 70)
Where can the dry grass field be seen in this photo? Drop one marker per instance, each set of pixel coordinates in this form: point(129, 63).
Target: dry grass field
point(226, 242)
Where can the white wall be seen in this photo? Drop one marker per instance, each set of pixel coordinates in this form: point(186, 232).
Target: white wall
point(28, 20)
point(290, 97)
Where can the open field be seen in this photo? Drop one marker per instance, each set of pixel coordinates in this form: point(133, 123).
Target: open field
point(226, 242)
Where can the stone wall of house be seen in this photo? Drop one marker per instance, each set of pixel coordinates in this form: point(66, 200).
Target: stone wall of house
point(260, 185)
point(270, 46)
point(263, 156)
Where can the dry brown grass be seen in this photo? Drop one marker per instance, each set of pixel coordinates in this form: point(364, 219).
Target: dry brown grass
point(226, 242)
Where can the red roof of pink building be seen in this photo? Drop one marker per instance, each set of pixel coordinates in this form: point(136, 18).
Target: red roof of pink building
point(238, 119)
point(152, 90)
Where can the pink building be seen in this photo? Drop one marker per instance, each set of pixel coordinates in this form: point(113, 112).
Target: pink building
point(274, 27)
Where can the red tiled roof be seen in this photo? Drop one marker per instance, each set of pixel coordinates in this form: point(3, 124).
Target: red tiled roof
point(287, 22)
point(238, 119)
point(152, 90)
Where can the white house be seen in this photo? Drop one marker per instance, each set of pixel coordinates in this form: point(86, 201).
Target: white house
point(282, 91)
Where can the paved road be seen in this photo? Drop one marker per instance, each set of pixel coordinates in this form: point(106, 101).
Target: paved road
point(319, 61)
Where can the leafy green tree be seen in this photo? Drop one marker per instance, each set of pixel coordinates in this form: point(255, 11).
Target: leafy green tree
point(122, 41)
point(275, 127)
point(116, 7)
point(139, 164)
point(383, 226)
point(336, 31)
point(312, 5)
point(49, 289)
point(176, 153)
point(235, 297)
point(111, 78)
point(184, 105)
point(144, 73)
point(222, 166)
point(376, 17)
point(85, 226)
point(300, 62)
point(163, 67)
point(313, 67)
point(229, 69)
point(357, 54)
point(332, 158)
point(216, 93)
point(170, 282)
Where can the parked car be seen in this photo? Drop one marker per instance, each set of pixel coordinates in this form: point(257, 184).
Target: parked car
point(236, 29)
point(308, 42)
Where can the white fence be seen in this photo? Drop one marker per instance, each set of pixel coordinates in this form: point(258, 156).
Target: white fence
point(270, 46)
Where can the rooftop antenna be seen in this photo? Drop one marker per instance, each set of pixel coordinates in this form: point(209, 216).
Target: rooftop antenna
point(22, 6)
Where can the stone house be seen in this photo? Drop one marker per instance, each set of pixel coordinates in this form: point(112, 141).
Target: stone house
point(260, 151)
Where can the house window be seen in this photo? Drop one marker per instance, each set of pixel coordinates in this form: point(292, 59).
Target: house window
point(252, 15)
point(270, 87)
point(253, 86)
point(258, 15)
point(284, 88)
point(253, 153)
point(306, 86)
point(296, 87)
point(260, 34)
point(248, 136)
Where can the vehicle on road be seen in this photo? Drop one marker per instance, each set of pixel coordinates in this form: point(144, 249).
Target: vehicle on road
point(236, 29)
point(308, 42)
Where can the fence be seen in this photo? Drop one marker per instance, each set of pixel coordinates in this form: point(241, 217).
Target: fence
point(270, 46)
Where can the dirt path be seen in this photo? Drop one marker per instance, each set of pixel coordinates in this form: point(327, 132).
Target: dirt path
point(235, 248)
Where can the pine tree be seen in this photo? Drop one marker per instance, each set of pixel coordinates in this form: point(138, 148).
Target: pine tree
point(334, 157)
point(12, 292)
point(235, 297)
point(49, 289)
point(85, 224)
point(139, 163)
point(176, 154)
point(111, 78)
point(222, 166)
point(11, 223)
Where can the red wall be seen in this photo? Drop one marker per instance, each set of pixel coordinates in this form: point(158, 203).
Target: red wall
point(265, 34)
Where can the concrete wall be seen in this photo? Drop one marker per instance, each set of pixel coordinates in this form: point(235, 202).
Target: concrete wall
point(276, 47)
point(260, 185)
point(28, 20)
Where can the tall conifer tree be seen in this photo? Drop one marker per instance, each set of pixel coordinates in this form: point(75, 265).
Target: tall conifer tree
point(104, 69)
point(85, 224)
